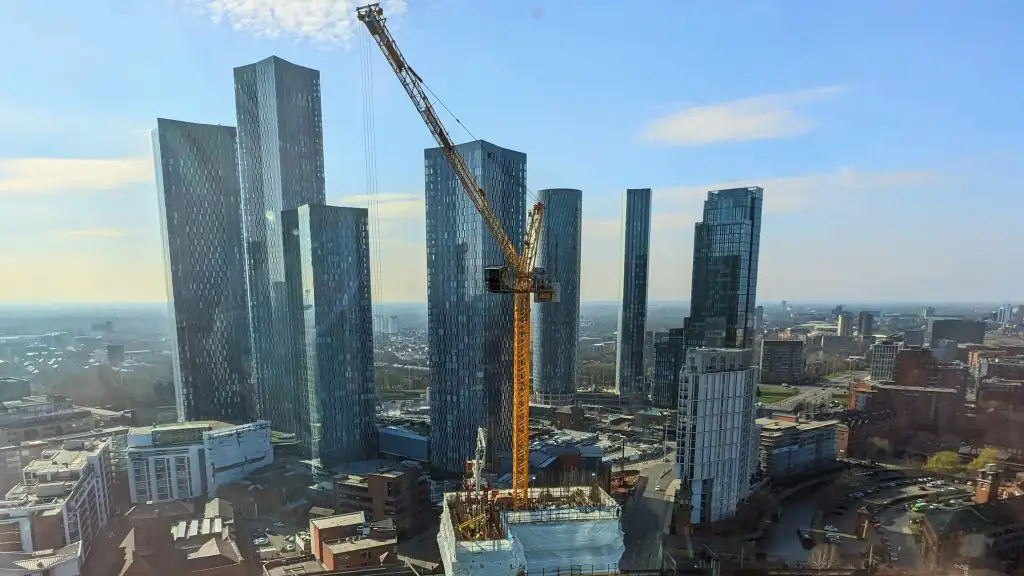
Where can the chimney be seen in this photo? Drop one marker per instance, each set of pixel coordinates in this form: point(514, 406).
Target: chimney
point(988, 485)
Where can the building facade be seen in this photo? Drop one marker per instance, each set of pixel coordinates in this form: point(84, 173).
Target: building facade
point(782, 361)
point(726, 246)
point(200, 218)
point(883, 360)
point(280, 167)
point(716, 450)
point(192, 459)
point(865, 324)
point(792, 448)
point(636, 251)
point(669, 353)
point(959, 330)
point(327, 261)
point(556, 325)
point(469, 330)
point(845, 326)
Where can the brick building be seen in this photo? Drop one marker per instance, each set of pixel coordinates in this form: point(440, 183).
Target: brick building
point(857, 429)
point(349, 541)
point(401, 493)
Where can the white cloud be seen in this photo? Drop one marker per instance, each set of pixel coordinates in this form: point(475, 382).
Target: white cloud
point(388, 206)
point(92, 233)
point(324, 22)
point(756, 118)
point(42, 175)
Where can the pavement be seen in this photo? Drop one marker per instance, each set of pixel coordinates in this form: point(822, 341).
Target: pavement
point(644, 516)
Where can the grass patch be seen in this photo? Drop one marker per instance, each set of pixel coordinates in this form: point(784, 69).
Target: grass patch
point(771, 394)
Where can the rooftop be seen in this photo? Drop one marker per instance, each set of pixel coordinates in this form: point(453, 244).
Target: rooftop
point(351, 519)
point(40, 560)
point(770, 425)
point(55, 475)
point(179, 426)
point(357, 543)
point(979, 518)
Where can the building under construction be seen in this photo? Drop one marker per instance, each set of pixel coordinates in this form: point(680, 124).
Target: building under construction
point(562, 528)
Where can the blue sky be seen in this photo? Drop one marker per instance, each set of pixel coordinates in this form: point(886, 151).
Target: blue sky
point(887, 136)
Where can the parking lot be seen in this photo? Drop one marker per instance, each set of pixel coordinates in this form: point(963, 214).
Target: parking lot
point(890, 538)
point(263, 532)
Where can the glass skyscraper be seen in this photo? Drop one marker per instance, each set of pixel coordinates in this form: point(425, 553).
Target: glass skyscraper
point(197, 181)
point(556, 325)
point(725, 252)
point(636, 250)
point(469, 329)
point(281, 167)
point(327, 263)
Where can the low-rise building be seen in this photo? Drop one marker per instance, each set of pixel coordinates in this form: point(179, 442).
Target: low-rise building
point(401, 493)
point(791, 448)
point(192, 459)
point(65, 497)
point(65, 561)
point(350, 541)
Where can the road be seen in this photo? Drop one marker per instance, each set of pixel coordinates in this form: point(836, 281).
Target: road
point(807, 395)
point(644, 516)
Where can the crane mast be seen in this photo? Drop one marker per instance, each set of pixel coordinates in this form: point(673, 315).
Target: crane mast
point(519, 276)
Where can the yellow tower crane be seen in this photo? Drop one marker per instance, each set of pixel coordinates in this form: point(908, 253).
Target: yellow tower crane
point(519, 276)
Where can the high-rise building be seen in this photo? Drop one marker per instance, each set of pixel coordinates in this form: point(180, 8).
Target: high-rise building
point(556, 325)
point(865, 324)
point(636, 251)
point(197, 181)
point(669, 352)
point(281, 167)
point(469, 330)
point(883, 360)
point(758, 319)
point(845, 326)
point(726, 245)
point(327, 264)
point(717, 450)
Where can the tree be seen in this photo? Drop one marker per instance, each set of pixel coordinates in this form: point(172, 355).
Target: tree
point(825, 556)
point(985, 457)
point(945, 462)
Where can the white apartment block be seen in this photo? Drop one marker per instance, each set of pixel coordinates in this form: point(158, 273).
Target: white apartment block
point(192, 459)
point(717, 447)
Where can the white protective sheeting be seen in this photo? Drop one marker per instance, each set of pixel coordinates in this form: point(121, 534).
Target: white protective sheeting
point(488, 558)
point(595, 545)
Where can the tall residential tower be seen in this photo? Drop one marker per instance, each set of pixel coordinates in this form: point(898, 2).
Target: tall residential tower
point(636, 250)
point(556, 325)
point(197, 180)
point(469, 329)
point(281, 167)
point(327, 264)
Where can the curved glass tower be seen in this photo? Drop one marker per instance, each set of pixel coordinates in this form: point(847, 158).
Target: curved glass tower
point(469, 329)
point(556, 325)
point(197, 180)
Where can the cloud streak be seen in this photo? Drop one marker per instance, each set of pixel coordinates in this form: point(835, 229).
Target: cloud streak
point(763, 117)
point(46, 175)
point(322, 22)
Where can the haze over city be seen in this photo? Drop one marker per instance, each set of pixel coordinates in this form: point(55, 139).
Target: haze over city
point(886, 152)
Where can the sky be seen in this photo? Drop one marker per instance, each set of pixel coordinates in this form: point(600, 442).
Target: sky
point(886, 135)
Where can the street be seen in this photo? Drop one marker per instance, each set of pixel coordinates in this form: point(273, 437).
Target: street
point(806, 394)
point(644, 516)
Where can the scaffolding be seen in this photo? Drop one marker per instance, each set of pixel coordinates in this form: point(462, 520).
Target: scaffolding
point(563, 528)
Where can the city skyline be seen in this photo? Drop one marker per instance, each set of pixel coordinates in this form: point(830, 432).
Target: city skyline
point(76, 170)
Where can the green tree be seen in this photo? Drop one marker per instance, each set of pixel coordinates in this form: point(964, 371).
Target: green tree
point(945, 462)
point(985, 457)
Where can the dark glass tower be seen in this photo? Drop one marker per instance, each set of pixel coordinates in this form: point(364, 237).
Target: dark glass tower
point(327, 261)
point(669, 353)
point(469, 329)
point(197, 180)
point(556, 325)
point(281, 167)
point(636, 250)
point(725, 253)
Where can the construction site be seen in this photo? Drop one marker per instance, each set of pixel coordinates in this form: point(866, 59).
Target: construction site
point(561, 528)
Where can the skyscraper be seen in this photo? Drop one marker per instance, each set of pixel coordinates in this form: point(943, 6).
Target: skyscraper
point(717, 437)
point(636, 250)
point(469, 329)
point(669, 353)
point(725, 252)
point(281, 167)
point(327, 263)
point(197, 180)
point(865, 324)
point(556, 325)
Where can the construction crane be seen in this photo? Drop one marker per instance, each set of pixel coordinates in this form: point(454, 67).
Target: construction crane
point(519, 275)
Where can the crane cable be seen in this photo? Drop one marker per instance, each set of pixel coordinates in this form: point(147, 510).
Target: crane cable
point(370, 170)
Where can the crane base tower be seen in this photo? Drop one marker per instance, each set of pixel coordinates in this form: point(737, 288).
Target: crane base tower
point(565, 528)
